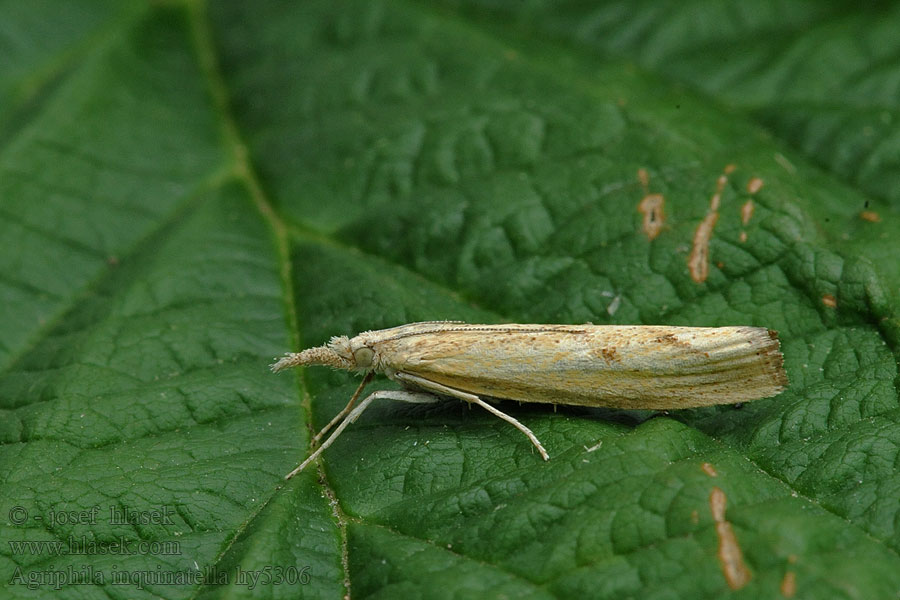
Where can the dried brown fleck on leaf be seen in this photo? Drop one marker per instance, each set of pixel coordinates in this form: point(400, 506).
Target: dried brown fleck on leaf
point(754, 185)
point(789, 585)
point(747, 211)
point(698, 259)
point(652, 207)
point(736, 573)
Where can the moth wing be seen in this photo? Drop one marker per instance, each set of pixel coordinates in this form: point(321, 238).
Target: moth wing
point(614, 366)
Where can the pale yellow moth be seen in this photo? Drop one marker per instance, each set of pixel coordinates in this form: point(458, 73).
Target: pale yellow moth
point(619, 366)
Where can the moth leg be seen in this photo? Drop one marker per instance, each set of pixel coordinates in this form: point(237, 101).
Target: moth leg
point(403, 395)
point(439, 388)
point(346, 409)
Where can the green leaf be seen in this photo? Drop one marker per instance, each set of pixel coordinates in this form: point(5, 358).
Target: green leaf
point(187, 191)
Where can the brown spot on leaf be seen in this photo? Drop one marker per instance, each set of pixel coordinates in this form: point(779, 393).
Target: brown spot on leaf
point(789, 585)
point(747, 211)
point(754, 185)
point(698, 259)
point(652, 207)
point(709, 469)
point(870, 215)
point(736, 573)
point(829, 301)
point(644, 178)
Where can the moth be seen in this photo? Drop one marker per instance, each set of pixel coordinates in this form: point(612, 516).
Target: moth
point(618, 366)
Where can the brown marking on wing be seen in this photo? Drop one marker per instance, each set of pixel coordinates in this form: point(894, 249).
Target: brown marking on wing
point(672, 340)
point(610, 354)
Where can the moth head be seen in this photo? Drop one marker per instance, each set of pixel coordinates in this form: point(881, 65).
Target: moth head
point(363, 355)
point(353, 353)
point(337, 353)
